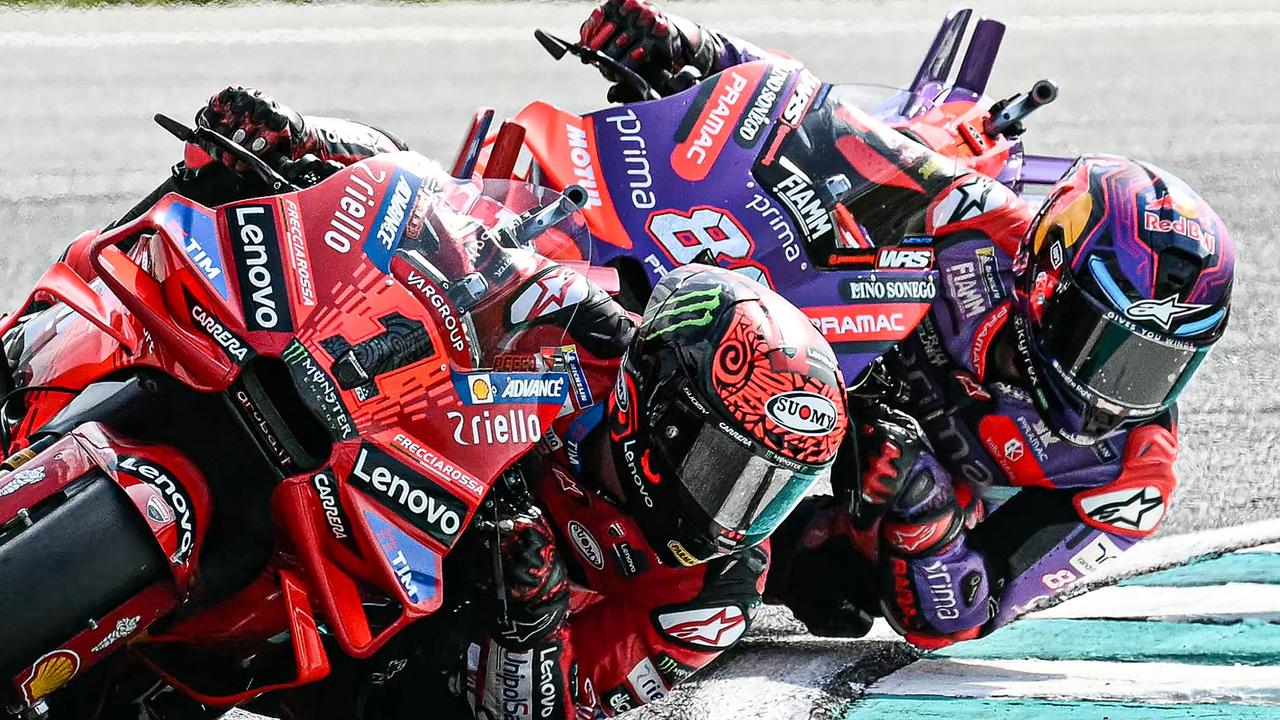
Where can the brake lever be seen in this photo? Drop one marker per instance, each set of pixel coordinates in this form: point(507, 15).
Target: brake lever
point(558, 48)
point(207, 137)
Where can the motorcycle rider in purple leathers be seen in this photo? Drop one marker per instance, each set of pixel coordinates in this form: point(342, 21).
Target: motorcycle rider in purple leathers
point(1050, 362)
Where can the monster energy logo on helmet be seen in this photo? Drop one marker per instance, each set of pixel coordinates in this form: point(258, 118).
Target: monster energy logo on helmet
point(695, 308)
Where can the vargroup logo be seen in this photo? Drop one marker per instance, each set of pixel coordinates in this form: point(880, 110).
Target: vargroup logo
point(801, 412)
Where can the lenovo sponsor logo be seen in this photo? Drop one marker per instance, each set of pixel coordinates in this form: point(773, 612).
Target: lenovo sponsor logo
point(426, 506)
point(256, 246)
point(174, 494)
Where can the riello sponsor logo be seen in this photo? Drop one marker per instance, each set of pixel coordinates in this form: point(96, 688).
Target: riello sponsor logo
point(347, 226)
point(487, 428)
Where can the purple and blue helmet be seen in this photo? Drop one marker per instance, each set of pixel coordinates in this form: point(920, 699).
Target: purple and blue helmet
point(1123, 285)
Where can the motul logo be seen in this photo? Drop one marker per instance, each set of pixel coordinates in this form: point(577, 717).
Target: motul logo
point(904, 259)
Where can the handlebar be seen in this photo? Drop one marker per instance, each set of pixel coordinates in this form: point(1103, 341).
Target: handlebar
point(558, 47)
point(1006, 116)
point(208, 139)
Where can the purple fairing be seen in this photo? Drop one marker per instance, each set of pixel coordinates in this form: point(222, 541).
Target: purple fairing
point(952, 588)
point(1076, 556)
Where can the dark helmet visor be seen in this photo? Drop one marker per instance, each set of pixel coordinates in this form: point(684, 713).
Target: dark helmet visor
point(1103, 355)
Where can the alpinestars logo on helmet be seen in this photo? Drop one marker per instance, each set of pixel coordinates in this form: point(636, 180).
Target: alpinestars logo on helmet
point(699, 305)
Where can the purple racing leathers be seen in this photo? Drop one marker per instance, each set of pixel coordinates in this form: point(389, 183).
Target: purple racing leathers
point(954, 562)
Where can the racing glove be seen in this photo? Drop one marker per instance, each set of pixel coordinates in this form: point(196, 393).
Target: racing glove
point(654, 44)
point(532, 594)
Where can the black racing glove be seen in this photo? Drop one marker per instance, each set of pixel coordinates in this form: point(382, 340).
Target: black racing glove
point(532, 599)
point(819, 574)
point(254, 120)
point(652, 43)
point(888, 443)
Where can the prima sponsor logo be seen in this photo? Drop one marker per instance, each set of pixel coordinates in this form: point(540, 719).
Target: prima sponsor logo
point(803, 413)
point(583, 164)
point(635, 158)
point(299, 260)
point(256, 246)
point(771, 215)
point(427, 507)
point(235, 348)
point(324, 485)
point(941, 590)
point(762, 106)
point(20, 479)
point(586, 544)
point(347, 226)
point(174, 494)
point(123, 629)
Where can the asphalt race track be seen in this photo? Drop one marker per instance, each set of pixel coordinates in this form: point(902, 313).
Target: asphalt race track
point(1188, 85)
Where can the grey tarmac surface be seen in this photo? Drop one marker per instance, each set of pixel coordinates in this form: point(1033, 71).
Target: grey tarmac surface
point(1188, 85)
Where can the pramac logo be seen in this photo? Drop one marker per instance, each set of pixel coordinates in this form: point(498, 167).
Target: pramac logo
point(802, 412)
point(697, 152)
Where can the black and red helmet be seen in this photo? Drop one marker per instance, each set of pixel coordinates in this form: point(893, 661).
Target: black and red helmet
point(728, 408)
point(1123, 285)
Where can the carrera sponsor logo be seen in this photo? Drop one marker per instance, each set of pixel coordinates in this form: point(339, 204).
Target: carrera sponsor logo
point(1133, 510)
point(390, 220)
point(804, 413)
point(348, 224)
point(762, 106)
point(174, 494)
point(586, 544)
point(430, 460)
point(487, 428)
point(708, 628)
point(693, 157)
point(256, 246)
point(299, 260)
point(328, 492)
point(123, 629)
point(635, 158)
point(901, 258)
point(426, 506)
point(512, 388)
point(235, 348)
point(646, 681)
point(863, 290)
point(20, 479)
point(197, 233)
point(318, 390)
point(863, 323)
point(554, 290)
point(583, 159)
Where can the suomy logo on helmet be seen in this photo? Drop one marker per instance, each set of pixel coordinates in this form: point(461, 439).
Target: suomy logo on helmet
point(1162, 312)
point(802, 412)
point(690, 309)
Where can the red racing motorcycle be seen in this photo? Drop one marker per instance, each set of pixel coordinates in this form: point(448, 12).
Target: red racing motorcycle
point(249, 440)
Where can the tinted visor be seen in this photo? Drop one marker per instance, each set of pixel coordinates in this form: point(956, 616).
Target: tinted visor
point(1112, 358)
point(741, 489)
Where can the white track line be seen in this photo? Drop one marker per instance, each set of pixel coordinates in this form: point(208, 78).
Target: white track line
point(1080, 679)
point(1223, 603)
point(422, 34)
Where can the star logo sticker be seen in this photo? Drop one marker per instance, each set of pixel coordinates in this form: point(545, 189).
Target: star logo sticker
point(714, 627)
point(1139, 510)
point(1162, 312)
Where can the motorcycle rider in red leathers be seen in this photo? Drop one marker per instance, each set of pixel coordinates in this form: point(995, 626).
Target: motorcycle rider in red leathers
point(1050, 362)
point(633, 551)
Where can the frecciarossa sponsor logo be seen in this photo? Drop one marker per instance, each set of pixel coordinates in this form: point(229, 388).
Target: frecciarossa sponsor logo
point(426, 505)
point(700, 143)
